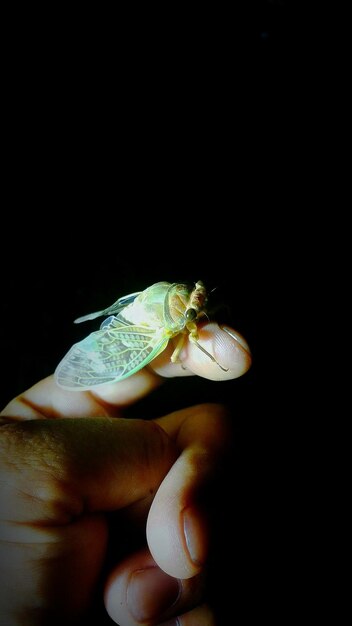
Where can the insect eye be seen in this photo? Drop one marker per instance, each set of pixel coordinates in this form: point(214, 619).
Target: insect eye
point(190, 315)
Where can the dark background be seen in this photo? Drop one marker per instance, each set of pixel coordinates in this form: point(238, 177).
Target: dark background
point(127, 164)
point(137, 154)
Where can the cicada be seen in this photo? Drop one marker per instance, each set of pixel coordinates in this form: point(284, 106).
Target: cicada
point(138, 328)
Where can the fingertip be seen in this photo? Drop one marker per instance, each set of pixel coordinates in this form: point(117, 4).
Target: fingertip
point(137, 591)
point(227, 354)
point(233, 349)
point(178, 548)
point(176, 531)
point(236, 336)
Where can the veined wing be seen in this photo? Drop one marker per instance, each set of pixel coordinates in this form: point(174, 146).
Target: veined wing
point(110, 354)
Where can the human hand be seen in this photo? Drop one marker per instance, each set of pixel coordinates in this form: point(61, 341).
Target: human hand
point(66, 482)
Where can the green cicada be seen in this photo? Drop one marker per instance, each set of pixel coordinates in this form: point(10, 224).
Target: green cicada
point(137, 330)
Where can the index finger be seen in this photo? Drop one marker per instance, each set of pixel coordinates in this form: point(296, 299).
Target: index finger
point(46, 400)
point(221, 353)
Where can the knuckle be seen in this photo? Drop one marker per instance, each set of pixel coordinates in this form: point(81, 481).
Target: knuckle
point(32, 484)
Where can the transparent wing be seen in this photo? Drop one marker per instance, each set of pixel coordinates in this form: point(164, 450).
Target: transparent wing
point(110, 354)
point(113, 309)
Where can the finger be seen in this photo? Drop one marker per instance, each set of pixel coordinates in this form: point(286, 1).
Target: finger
point(50, 572)
point(138, 591)
point(177, 530)
point(227, 355)
point(47, 400)
point(200, 616)
point(56, 476)
point(55, 470)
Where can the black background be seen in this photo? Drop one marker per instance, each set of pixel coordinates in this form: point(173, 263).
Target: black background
point(140, 154)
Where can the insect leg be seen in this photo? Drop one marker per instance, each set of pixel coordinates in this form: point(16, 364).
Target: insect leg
point(194, 339)
point(175, 357)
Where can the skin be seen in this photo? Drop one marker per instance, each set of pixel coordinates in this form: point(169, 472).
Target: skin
point(71, 465)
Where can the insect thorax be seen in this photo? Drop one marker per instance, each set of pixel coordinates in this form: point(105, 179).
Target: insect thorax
point(168, 306)
point(148, 308)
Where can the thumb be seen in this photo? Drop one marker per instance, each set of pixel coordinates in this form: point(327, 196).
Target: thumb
point(177, 525)
point(70, 466)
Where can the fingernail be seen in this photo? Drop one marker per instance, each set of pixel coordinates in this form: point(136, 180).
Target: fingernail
point(241, 340)
point(193, 536)
point(150, 592)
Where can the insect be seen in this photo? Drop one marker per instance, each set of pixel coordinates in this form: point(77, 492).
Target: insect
point(137, 330)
